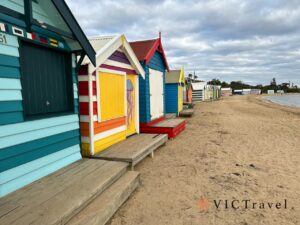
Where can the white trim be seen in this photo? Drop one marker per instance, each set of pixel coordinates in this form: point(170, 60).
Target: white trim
point(86, 119)
point(118, 64)
point(91, 113)
point(137, 106)
point(16, 31)
point(85, 78)
point(114, 45)
point(98, 95)
point(133, 59)
point(2, 27)
point(103, 70)
point(86, 98)
point(104, 134)
point(125, 98)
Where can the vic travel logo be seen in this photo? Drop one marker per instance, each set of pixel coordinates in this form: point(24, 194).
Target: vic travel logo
point(241, 204)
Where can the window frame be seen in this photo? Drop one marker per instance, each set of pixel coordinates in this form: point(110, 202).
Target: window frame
point(70, 87)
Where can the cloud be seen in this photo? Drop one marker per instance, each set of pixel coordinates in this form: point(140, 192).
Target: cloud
point(252, 41)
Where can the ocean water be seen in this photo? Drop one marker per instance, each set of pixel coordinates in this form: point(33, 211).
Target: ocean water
point(288, 100)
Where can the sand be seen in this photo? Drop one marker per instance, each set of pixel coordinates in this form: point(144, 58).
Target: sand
point(234, 148)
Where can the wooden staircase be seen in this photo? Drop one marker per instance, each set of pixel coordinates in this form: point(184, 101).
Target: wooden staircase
point(86, 192)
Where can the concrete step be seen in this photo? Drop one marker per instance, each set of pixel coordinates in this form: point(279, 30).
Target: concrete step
point(57, 198)
point(100, 211)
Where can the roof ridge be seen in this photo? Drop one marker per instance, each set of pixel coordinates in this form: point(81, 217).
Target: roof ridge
point(102, 37)
point(144, 40)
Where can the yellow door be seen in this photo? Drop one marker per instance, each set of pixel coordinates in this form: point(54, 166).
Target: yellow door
point(180, 98)
point(131, 104)
point(112, 95)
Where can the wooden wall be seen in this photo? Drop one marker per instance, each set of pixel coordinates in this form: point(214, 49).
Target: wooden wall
point(30, 150)
point(113, 127)
point(155, 63)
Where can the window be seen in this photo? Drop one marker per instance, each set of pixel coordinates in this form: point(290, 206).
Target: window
point(47, 86)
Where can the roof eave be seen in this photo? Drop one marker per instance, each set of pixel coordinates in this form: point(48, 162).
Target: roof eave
point(66, 13)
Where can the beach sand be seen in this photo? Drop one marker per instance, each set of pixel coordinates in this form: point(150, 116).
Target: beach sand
point(239, 148)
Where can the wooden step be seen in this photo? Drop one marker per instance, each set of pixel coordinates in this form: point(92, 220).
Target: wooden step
point(56, 198)
point(104, 206)
point(170, 115)
point(134, 149)
point(172, 127)
point(186, 113)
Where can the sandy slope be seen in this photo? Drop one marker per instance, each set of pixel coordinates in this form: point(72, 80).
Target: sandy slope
point(234, 148)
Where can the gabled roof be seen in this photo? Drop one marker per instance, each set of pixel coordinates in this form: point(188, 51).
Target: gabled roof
point(145, 50)
point(67, 15)
point(198, 86)
point(105, 46)
point(175, 76)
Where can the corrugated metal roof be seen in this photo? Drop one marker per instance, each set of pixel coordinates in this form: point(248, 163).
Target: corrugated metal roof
point(99, 42)
point(173, 77)
point(144, 50)
point(141, 48)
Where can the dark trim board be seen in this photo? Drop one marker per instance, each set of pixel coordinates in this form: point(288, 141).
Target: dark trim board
point(12, 13)
point(28, 14)
point(27, 22)
point(66, 13)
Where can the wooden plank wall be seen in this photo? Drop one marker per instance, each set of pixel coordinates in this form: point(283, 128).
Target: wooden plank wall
point(155, 63)
point(111, 130)
point(30, 150)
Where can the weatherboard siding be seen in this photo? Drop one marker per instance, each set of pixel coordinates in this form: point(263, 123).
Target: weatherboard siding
point(111, 130)
point(11, 109)
point(171, 98)
point(15, 178)
point(144, 97)
point(156, 63)
point(30, 150)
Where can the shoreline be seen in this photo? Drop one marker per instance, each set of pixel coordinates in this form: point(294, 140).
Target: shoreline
point(262, 97)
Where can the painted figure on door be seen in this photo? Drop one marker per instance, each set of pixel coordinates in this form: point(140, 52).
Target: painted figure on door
point(130, 102)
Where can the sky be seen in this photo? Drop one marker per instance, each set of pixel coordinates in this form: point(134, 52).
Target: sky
point(247, 40)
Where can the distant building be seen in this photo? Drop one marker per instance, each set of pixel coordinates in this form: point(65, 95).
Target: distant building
point(226, 92)
point(246, 91)
point(271, 92)
point(280, 91)
point(238, 92)
point(198, 91)
point(255, 92)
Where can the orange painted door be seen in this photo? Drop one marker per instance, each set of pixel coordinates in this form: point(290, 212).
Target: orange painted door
point(131, 104)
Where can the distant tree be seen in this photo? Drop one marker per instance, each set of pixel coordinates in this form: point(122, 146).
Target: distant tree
point(273, 82)
point(214, 82)
point(224, 84)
